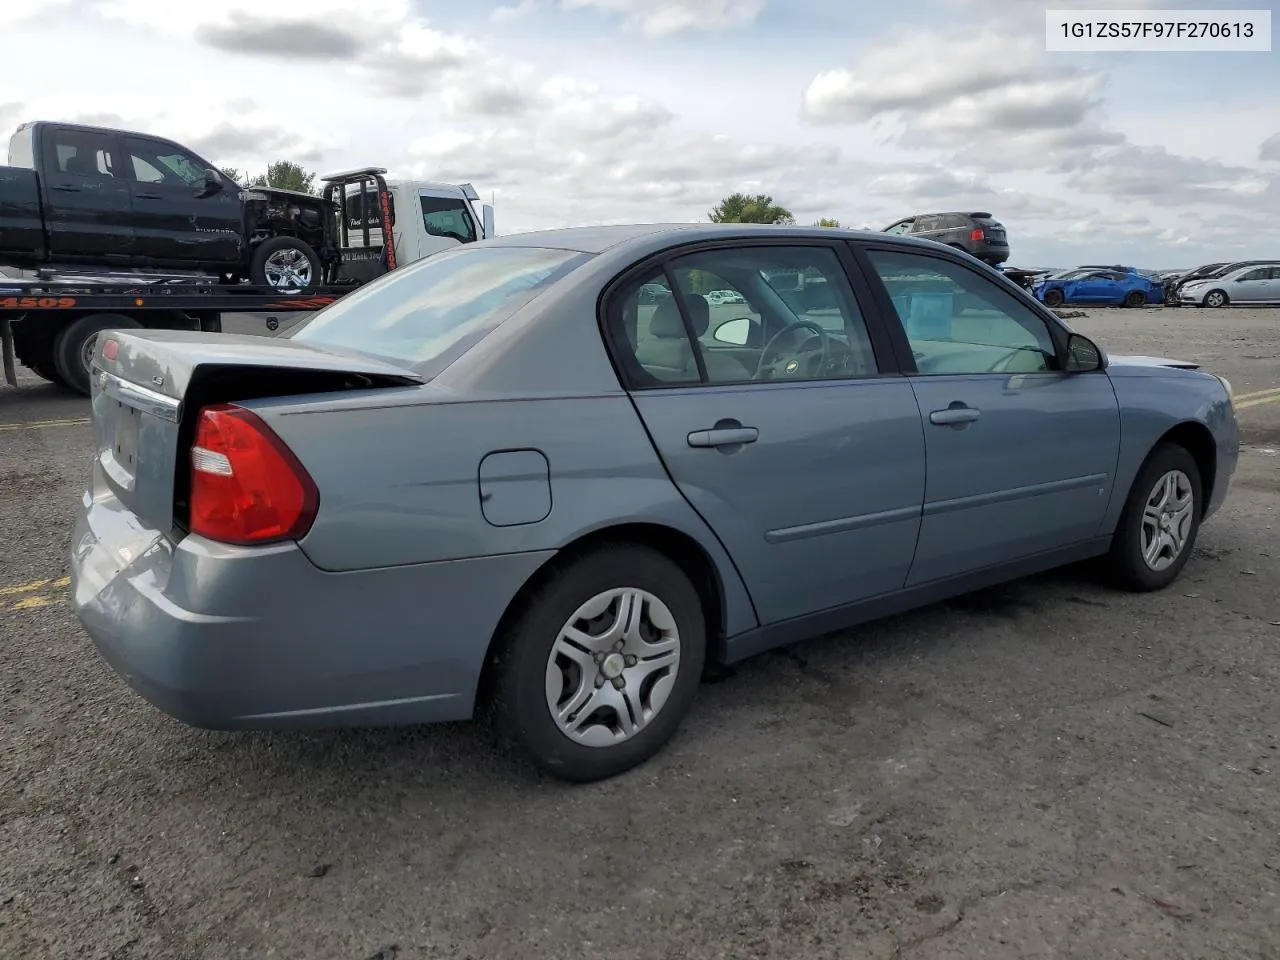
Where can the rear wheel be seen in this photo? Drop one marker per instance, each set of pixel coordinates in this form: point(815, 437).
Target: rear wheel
point(1161, 518)
point(1135, 298)
point(602, 663)
point(1215, 298)
point(1053, 298)
point(285, 263)
point(73, 348)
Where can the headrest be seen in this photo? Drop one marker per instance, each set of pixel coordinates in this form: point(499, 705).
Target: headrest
point(666, 321)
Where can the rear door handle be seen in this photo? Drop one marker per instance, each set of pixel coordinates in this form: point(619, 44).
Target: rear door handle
point(149, 196)
point(66, 187)
point(954, 416)
point(723, 437)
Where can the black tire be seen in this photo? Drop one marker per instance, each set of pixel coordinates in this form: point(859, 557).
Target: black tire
point(519, 706)
point(1135, 298)
point(1053, 297)
point(1215, 299)
point(46, 371)
point(277, 245)
point(73, 347)
point(1125, 566)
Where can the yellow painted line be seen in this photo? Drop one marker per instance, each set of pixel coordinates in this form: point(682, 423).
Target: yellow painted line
point(39, 424)
point(31, 596)
point(1258, 394)
point(33, 586)
point(1258, 401)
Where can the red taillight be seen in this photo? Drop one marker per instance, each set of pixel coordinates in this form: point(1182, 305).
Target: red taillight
point(976, 234)
point(246, 485)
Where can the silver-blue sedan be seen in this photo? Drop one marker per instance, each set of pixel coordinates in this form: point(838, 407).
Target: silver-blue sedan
point(546, 475)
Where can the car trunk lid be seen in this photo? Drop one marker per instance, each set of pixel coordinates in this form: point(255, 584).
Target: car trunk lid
point(148, 386)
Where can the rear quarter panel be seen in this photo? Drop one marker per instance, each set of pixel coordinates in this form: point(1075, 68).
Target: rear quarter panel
point(399, 478)
point(1155, 400)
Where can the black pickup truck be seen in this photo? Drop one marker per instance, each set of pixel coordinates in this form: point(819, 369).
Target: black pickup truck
point(86, 198)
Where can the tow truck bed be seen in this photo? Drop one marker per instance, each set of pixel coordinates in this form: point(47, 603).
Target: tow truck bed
point(50, 325)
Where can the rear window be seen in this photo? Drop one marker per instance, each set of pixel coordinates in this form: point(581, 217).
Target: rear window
point(429, 313)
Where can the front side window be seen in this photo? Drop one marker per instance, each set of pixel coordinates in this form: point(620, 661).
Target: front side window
point(738, 315)
point(429, 312)
point(448, 217)
point(1262, 274)
point(163, 163)
point(960, 322)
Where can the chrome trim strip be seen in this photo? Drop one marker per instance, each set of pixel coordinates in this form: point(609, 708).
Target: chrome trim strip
point(139, 397)
point(1101, 480)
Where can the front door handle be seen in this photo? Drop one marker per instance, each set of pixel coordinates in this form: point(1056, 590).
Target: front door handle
point(66, 187)
point(149, 196)
point(723, 437)
point(954, 416)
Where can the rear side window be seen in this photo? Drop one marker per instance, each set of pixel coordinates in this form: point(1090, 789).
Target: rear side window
point(429, 313)
point(81, 153)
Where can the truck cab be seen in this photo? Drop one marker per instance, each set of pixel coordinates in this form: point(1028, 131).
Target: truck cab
point(429, 216)
point(426, 217)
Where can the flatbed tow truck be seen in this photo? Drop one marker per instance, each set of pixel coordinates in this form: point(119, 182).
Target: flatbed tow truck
point(51, 326)
point(50, 323)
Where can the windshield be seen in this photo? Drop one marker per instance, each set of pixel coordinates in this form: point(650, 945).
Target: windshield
point(431, 312)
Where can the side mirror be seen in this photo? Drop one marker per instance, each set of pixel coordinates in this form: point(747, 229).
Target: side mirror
point(1083, 355)
point(212, 184)
point(736, 332)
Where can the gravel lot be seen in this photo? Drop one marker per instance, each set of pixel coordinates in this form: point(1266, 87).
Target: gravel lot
point(1049, 769)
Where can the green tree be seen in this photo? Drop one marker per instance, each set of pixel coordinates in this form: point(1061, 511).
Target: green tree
point(826, 222)
point(232, 174)
point(286, 175)
point(743, 208)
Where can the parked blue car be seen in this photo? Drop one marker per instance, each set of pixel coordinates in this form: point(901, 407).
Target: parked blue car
point(1113, 288)
point(544, 476)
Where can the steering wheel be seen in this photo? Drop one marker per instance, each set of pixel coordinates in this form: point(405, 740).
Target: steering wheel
point(792, 365)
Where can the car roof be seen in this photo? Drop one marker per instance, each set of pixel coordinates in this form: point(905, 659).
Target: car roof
point(641, 237)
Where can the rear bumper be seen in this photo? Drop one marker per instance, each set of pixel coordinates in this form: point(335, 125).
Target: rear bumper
point(233, 637)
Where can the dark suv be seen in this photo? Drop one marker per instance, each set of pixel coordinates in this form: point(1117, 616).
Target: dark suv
point(977, 234)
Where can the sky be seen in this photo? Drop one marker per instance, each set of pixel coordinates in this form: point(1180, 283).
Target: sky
point(574, 112)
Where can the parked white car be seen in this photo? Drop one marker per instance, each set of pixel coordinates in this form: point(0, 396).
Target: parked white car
point(725, 296)
point(1255, 283)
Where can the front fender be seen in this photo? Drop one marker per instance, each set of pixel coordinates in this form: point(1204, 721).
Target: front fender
point(1157, 400)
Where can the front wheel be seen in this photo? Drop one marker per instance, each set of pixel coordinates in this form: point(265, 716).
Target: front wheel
point(602, 664)
point(1135, 298)
point(1053, 298)
point(286, 263)
point(1215, 298)
point(1161, 518)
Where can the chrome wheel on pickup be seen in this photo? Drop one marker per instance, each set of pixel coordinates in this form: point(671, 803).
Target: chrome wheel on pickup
point(285, 264)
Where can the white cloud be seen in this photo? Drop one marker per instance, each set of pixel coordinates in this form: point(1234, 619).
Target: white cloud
point(1270, 149)
point(662, 18)
point(976, 116)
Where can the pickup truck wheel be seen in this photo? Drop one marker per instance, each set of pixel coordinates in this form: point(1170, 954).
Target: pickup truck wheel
point(73, 348)
point(285, 263)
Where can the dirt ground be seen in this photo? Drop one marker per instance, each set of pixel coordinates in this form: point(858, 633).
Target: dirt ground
point(1050, 769)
